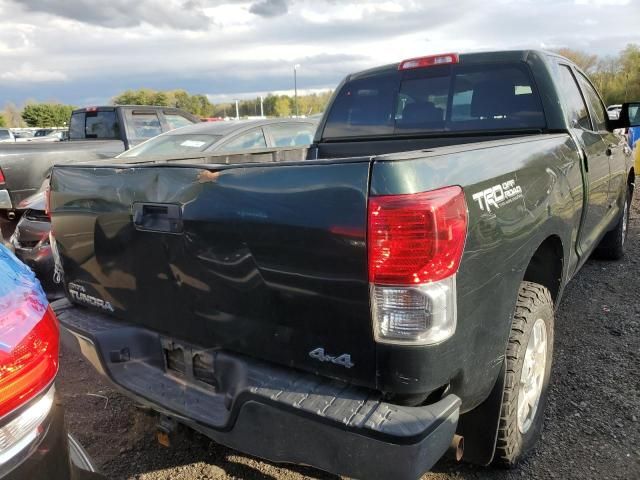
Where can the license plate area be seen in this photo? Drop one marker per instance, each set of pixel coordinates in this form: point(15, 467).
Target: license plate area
point(189, 362)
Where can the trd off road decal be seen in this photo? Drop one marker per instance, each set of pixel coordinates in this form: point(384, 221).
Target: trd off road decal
point(498, 195)
point(78, 293)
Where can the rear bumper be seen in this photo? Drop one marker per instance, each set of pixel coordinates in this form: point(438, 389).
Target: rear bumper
point(272, 412)
point(5, 200)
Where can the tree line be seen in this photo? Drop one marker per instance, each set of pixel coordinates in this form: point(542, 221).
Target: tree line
point(57, 115)
point(617, 78)
point(272, 105)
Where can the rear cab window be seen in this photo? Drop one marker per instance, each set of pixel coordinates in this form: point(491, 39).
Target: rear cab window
point(447, 98)
point(101, 124)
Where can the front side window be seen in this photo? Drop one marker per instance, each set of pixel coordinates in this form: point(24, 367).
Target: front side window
point(246, 141)
point(577, 113)
point(598, 111)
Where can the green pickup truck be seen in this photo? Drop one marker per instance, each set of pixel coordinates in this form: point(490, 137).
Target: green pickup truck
point(365, 310)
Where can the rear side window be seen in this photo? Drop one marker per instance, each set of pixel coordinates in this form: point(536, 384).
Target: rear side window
point(176, 121)
point(437, 99)
point(144, 125)
point(98, 124)
point(246, 141)
point(577, 113)
point(291, 134)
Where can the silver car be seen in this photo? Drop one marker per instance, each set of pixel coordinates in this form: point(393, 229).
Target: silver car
point(228, 137)
point(6, 136)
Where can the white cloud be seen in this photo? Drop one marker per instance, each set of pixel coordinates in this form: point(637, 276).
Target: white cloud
point(30, 74)
point(226, 48)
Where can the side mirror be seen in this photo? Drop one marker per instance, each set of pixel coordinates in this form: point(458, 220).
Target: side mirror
point(629, 116)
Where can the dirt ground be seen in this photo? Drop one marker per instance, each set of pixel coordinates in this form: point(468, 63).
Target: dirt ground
point(592, 428)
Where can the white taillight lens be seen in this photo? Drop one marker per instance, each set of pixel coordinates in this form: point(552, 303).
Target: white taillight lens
point(415, 315)
point(24, 430)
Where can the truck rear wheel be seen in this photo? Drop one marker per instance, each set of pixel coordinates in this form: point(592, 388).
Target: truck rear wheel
point(612, 244)
point(528, 367)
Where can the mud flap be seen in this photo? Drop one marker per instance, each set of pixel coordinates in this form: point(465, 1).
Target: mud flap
point(479, 427)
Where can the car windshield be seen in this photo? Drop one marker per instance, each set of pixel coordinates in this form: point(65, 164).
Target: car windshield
point(174, 144)
point(4, 134)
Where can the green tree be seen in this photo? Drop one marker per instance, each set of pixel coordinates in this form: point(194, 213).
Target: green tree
point(3, 122)
point(586, 61)
point(46, 114)
point(282, 106)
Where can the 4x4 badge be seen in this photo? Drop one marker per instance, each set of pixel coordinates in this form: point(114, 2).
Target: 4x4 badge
point(343, 360)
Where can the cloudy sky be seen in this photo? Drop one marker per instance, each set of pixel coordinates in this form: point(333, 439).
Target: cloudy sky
point(85, 52)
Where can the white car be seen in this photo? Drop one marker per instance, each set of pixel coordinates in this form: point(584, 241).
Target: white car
point(6, 136)
point(614, 111)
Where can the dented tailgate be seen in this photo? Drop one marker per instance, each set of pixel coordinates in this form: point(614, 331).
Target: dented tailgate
point(264, 260)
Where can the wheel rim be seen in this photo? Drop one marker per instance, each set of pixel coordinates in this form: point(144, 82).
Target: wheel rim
point(532, 377)
point(625, 220)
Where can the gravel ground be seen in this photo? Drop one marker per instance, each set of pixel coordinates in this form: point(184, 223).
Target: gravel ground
point(592, 427)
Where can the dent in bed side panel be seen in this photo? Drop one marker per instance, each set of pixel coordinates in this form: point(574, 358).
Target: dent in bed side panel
point(499, 246)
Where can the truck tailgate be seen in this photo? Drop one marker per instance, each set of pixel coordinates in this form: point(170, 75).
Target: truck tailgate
point(264, 260)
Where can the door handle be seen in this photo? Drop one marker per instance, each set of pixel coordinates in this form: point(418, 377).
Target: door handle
point(157, 217)
point(609, 150)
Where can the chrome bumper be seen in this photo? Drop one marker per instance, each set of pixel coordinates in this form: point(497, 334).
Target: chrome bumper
point(5, 200)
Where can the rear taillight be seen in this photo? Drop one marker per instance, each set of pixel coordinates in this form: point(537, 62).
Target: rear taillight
point(28, 352)
point(415, 243)
point(2, 179)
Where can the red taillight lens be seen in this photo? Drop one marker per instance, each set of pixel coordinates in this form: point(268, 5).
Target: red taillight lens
point(2, 179)
point(416, 238)
point(29, 343)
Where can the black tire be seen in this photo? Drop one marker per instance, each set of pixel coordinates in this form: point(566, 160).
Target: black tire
point(534, 302)
point(611, 246)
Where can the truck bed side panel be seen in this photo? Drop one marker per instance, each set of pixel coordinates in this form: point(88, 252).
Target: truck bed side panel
point(500, 244)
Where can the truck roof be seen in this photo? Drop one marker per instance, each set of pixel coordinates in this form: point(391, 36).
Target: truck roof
point(475, 57)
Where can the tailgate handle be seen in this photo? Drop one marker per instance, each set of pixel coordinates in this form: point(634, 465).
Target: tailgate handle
point(157, 217)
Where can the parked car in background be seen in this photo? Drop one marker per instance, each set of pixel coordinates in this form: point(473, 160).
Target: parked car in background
point(6, 136)
point(94, 133)
point(30, 242)
point(43, 132)
point(613, 111)
point(363, 310)
point(236, 136)
point(34, 444)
